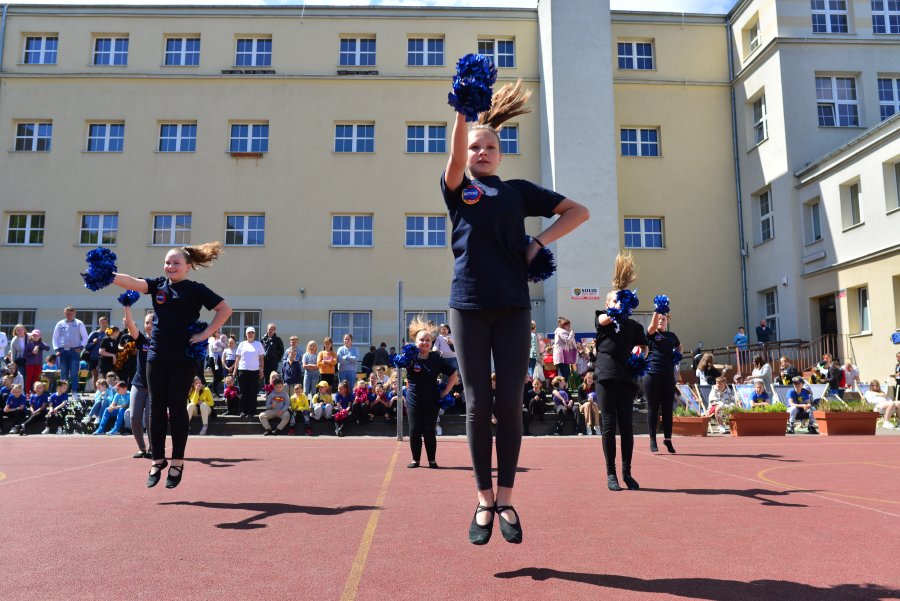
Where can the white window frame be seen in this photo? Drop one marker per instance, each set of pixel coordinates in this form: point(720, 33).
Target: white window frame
point(491, 47)
point(753, 36)
point(835, 102)
point(245, 230)
point(107, 230)
point(643, 232)
point(851, 205)
point(31, 230)
point(864, 313)
point(255, 53)
point(91, 317)
point(240, 320)
point(173, 235)
point(181, 55)
point(26, 317)
point(356, 139)
point(34, 141)
point(770, 309)
point(813, 212)
point(430, 227)
point(181, 140)
point(766, 215)
point(42, 52)
point(362, 332)
point(253, 138)
point(353, 58)
point(760, 121)
point(639, 143)
point(438, 317)
point(825, 8)
point(427, 56)
point(107, 138)
point(509, 139)
point(890, 18)
point(631, 53)
point(113, 41)
point(896, 170)
point(357, 227)
point(432, 142)
point(888, 106)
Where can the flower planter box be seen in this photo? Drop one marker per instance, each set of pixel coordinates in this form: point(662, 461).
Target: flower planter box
point(758, 424)
point(690, 426)
point(834, 423)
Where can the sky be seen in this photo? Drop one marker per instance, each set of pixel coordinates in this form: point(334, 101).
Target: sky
point(688, 6)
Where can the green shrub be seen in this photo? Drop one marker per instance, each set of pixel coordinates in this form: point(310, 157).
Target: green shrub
point(848, 407)
point(774, 408)
point(685, 412)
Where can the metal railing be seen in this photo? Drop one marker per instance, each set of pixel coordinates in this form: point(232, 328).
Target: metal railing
point(804, 354)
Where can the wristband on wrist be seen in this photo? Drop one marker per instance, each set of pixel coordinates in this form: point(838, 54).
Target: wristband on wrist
point(539, 243)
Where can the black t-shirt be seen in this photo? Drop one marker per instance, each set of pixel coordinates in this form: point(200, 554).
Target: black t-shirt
point(109, 345)
point(175, 308)
point(143, 347)
point(531, 395)
point(421, 377)
point(614, 348)
point(662, 348)
point(488, 239)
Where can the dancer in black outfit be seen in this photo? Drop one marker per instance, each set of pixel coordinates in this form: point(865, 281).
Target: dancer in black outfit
point(659, 382)
point(422, 392)
point(615, 384)
point(490, 311)
point(170, 369)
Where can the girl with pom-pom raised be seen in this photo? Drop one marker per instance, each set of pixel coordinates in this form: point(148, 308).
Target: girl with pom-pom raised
point(490, 310)
point(170, 366)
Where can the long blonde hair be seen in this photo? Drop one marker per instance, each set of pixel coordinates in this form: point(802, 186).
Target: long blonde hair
point(506, 103)
point(203, 255)
point(419, 324)
point(625, 271)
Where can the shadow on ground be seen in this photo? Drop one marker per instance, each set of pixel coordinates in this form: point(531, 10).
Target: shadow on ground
point(756, 494)
point(220, 461)
point(265, 511)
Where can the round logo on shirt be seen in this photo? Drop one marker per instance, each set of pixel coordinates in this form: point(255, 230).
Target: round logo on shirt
point(471, 195)
point(417, 368)
point(160, 297)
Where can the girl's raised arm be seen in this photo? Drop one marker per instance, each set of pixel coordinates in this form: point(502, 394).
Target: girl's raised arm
point(459, 148)
point(130, 283)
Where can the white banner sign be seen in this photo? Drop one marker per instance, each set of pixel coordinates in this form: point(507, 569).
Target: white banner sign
point(585, 294)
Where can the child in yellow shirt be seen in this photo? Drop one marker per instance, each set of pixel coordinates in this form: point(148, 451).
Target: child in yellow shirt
point(300, 407)
point(322, 402)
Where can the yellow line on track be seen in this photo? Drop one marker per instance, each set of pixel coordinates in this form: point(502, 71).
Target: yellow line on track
point(762, 476)
point(351, 587)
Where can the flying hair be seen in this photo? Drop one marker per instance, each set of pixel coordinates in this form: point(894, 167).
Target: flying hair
point(203, 255)
point(506, 103)
point(625, 271)
point(419, 324)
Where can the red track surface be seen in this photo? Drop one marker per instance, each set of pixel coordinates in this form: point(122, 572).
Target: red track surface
point(296, 518)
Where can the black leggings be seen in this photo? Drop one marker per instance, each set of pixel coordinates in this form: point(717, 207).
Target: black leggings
point(169, 385)
point(248, 380)
point(422, 424)
point(616, 400)
point(660, 392)
point(504, 334)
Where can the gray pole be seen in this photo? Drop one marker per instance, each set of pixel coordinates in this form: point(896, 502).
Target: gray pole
point(398, 386)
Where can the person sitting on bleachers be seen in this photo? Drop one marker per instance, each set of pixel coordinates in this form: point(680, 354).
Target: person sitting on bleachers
point(200, 400)
point(278, 405)
point(322, 402)
point(300, 408)
point(590, 411)
point(564, 405)
point(115, 413)
point(534, 404)
point(787, 371)
point(882, 404)
point(720, 399)
point(56, 408)
point(15, 409)
point(760, 396)
point(799, 401)
point(102, 399)
point(38, 403)
point(380, 404)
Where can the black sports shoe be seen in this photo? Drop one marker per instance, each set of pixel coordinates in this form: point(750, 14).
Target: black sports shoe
point(812, 430)
point(511, 532)
point(478, 534)
point(433, 465)
point(669, 446)
point(173, 480)
point(630, 482)
point(790, 429)
point(153, 477)
point(141, 455)
point(412, 464)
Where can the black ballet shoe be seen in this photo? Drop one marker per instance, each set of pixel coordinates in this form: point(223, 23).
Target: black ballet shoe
point(612, 483)
point(412, 464)
point(141, 455)
point(478, 534)
point(433, 465)
point(173, 480)
point(630, 482)
point(511, 532)
point(653, 446)
point(669, 446)
point(154, 476)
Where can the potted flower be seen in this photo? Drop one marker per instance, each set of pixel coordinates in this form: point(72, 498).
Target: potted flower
point(687, 422)
point(853, 417)
point(761, 420)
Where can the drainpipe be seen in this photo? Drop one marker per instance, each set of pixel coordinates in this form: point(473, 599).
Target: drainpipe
point(3, 34)
point(737, 178)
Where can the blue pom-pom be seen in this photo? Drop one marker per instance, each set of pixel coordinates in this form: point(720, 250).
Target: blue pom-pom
point(638, 365)
point(628, 300)
point(542, 266)
point(676, 358)
point(445, 401)
point(472, 85)
point(406, 356)
point(128, 298)
point(198, 350)
point(662, 304)
point(895, 337)
point(101, 268)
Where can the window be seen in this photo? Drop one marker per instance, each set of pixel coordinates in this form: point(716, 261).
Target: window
point(862, 303)
point(91, 317)
point(106, 137)
point(182, 52)
point(753, 40)
point(850, 207)
point(766, 215)
point(829, 16)
point(177, 137)
point(437, 317)
point(249, 137)
point(896, 196)
point(837, 105)
point(643, 232)
point(357, 323)
point(33, 137)
point(10, 318)
point(813, 212)
point(770, 306)
point(357, 52)
point(99, 229)
point(888, 96)
point(25, 229)
point(111, 51)
point(351, 230)
point(354, 137)
point(253, 52)
point(422, 52)
point(509, 139)
point(426, 138)
point(639, 142)
point(503, 52)
point(886, 16)
point(760, 127)
point(245, 230)
point(171, 230)
point(40, 50)
point(239, 321)
point(635, 55)
point(426, 230)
